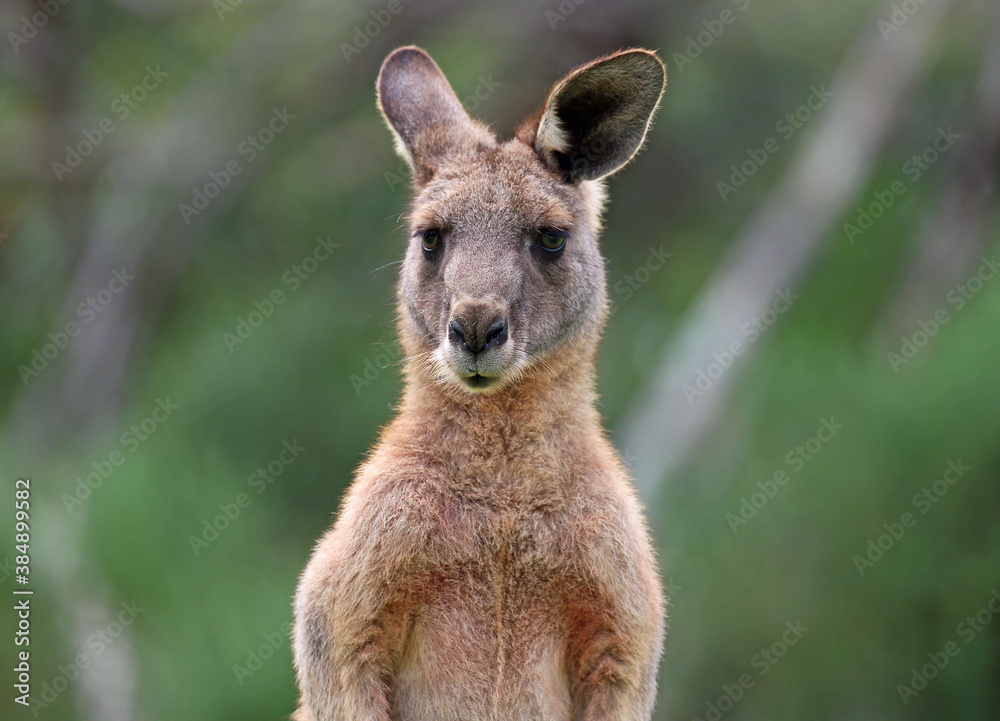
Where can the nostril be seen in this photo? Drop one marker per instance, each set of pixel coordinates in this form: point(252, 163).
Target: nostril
point(496, 336)
point(471, 337)
point(457, 334)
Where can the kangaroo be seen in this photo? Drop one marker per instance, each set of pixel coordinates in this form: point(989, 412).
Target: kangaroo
point(491, 560)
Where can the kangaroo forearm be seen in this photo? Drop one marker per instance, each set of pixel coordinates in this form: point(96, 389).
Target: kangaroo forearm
point(361, 699)
point(615, 654)
point(344, 676)
point(345, 637)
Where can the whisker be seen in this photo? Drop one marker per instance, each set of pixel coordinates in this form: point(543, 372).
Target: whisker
point(383, 267)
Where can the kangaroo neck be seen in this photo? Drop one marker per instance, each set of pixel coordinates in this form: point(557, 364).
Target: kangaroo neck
point(540, 421)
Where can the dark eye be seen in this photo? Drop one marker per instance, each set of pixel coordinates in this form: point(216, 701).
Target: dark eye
point(430, 239)
point(552, 240)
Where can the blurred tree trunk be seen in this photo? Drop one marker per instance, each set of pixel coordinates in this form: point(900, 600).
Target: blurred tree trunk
point(662, 430)
point(960, 228)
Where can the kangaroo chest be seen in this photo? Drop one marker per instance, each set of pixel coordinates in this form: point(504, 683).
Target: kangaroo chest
point(492, 604)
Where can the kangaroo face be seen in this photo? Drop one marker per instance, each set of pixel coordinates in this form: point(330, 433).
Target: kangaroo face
point(503, 270)
point(502, 267)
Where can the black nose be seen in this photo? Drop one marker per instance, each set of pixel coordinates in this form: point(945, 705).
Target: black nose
point(469, 335)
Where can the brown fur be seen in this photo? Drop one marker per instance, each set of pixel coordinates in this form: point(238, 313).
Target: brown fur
point(490, 560)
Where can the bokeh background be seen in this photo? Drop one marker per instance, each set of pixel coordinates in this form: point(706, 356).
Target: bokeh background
point(804, 345)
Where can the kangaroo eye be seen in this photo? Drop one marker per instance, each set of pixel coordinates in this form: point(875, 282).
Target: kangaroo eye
point(430, 239)
point(552, 240)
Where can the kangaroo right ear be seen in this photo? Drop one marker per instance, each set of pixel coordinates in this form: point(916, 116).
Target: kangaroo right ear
point(425, 116)
point(596, 118)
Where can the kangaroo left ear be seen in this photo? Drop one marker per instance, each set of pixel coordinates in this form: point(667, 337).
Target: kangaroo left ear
point(425, 116)
point(596, 118)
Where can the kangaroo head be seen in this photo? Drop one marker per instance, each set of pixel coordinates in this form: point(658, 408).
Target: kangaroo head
point(502, 276)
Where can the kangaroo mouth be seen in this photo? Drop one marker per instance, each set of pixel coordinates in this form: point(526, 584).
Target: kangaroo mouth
point(481, 372)
point(477, 372)
point(479, 382)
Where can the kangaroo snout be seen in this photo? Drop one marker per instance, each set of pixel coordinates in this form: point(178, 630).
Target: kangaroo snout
point(476, 343)
point(476, 332)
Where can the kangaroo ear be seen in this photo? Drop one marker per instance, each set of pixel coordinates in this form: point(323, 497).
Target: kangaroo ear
point(596, 118)
point(425, 116)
